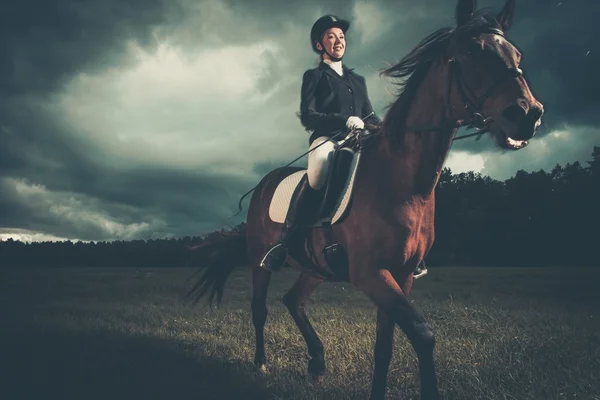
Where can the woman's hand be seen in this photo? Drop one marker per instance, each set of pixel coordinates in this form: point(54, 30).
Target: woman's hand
point(355, 123)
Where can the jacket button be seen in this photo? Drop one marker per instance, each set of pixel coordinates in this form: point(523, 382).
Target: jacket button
point(350, 90)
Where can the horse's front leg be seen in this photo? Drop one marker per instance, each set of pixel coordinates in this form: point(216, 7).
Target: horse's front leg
point(384, 342)
point(385, 292)
point(295, 300)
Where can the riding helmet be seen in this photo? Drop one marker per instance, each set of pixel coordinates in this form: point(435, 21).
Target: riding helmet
point(324, 23)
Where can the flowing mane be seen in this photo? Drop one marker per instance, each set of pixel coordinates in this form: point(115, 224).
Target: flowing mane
point(414, 66)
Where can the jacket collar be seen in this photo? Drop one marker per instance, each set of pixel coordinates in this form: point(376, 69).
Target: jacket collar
point(326, 68)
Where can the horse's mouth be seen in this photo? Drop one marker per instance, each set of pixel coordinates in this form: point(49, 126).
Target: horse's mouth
point(504, 139)
point(515, 144)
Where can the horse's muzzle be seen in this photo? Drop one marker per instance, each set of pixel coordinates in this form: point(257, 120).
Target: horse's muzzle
point(521, 120)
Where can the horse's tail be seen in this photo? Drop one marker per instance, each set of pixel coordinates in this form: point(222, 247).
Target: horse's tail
point(219, 258)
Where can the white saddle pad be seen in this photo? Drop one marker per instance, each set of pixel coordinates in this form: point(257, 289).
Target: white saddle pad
point(283, 195)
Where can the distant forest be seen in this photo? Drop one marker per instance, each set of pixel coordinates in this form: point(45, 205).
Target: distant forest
point(540, 218)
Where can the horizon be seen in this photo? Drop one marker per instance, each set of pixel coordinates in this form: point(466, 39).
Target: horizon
point(28, 240)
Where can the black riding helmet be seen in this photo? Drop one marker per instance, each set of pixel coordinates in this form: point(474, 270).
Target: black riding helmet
point(321, 25)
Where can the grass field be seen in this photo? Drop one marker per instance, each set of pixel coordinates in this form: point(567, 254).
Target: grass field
point(502, 333)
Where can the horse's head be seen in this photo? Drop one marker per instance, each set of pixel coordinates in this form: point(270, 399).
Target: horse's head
point(488, 77)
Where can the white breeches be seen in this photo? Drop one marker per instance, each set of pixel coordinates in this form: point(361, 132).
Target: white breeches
point(319, 161)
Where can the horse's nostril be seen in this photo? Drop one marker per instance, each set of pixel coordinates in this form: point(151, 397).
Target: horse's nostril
point(514, 113)
point(534, 114)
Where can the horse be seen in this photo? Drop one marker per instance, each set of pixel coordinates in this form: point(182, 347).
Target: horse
point(465, 75)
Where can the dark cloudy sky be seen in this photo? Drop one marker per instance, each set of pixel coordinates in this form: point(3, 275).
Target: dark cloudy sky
point(124, 119)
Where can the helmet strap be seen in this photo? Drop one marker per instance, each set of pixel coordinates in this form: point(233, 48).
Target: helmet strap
point(330, 56)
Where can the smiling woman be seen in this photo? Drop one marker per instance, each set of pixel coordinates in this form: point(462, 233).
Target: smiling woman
point(333, 98)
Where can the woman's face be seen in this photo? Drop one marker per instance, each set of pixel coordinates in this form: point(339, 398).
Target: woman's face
point(334, 42)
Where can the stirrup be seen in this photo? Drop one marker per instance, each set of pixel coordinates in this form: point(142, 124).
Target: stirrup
point(269, 265)
point(420, 274)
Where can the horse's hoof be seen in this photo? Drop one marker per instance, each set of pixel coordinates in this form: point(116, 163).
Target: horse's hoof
point(316, 369)
point(262, 368)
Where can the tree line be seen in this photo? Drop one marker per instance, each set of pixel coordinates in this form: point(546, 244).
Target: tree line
point(531, 219)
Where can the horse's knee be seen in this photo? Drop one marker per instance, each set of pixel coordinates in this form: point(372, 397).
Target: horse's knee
point(424, 335)
point(290, 302)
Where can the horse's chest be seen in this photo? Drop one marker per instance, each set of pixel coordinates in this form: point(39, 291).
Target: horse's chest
point(407, 236)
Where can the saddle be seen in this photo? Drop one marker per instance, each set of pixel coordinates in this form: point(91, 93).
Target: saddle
point(337, 196)
point(333, 207)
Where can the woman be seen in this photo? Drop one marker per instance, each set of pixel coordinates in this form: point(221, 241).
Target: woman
point(333, 99)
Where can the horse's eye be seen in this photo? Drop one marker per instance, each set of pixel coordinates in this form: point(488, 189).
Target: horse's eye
point(475, 47)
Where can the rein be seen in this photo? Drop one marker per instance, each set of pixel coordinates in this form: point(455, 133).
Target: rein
point(476, 120)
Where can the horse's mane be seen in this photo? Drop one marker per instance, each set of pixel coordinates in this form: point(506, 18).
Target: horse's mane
point(414, 66)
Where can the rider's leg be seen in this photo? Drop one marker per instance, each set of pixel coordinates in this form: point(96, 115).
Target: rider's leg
point(318, 161)
point(303, 202)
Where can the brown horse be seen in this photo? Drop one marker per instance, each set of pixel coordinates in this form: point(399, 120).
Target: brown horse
point(463, 75)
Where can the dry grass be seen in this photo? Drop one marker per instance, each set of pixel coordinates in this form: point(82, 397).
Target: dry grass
point(123, 334)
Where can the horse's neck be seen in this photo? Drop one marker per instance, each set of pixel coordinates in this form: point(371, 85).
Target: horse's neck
point(409, 163)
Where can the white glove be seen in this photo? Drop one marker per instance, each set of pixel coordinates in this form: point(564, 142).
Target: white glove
point(355, 123)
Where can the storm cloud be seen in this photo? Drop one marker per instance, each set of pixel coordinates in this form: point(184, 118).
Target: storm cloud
point(143, 119)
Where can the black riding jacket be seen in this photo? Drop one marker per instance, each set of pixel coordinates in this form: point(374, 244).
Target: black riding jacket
point(327, 100)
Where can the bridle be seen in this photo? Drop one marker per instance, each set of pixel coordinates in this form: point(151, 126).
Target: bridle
point(471, 101)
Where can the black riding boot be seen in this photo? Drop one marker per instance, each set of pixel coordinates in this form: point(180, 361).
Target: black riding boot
point(302, 205)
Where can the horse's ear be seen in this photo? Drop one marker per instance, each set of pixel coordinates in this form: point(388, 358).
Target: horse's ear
point(506, 15)
point(464, 11)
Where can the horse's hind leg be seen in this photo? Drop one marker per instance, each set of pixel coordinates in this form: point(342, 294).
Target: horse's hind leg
point(384, 342)
point(295, 300)
point(260, 285)
point(387, 295)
